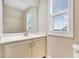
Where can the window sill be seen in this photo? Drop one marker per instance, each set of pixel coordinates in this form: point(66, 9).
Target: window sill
point(70, 35)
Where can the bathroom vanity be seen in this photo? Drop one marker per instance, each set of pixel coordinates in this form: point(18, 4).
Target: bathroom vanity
point(30, 46)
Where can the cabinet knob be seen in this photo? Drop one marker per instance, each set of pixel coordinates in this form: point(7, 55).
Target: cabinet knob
point(33, 44)
point(30, 45)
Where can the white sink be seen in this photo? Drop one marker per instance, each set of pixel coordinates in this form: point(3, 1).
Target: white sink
point(76, 50)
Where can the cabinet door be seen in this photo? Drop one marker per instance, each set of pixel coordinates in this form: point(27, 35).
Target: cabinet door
point(0, 52)
point(18, 50)
point(39, 47)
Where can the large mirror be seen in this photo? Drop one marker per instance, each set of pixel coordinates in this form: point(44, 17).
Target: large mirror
point(20, 16)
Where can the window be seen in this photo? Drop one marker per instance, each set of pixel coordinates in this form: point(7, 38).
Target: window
point(61, 17)
point(32, 19)
point(29, 21)
point(59, 13)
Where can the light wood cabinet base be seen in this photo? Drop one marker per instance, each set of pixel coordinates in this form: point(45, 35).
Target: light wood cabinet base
point(34, 48)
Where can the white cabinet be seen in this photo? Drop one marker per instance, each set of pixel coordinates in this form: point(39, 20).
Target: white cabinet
point(39, 47)
point(0, 51)
point(33, 48)
point(18, 49)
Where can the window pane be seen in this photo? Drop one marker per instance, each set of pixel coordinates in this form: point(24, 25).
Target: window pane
point(29, 17)
point(61, 22)
point(29, 21)
point(59, 5)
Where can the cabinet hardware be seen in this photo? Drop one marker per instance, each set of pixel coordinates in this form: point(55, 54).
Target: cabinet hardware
point(30, 45)
point(33, 43)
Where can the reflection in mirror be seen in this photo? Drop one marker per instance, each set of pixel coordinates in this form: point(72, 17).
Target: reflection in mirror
point(13, 21)
point(20, 16)
point(31, 17)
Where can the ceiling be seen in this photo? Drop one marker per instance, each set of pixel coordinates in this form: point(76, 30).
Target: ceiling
point(21, 4)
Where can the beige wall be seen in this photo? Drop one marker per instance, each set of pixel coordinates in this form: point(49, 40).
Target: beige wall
point(13, 20)
point(76, 20)
point(59, 46)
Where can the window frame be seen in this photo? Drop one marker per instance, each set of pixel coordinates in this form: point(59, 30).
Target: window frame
point(28, 22)
point(68, 33)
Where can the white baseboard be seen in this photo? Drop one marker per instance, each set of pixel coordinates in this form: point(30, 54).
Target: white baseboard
point(48, 56)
